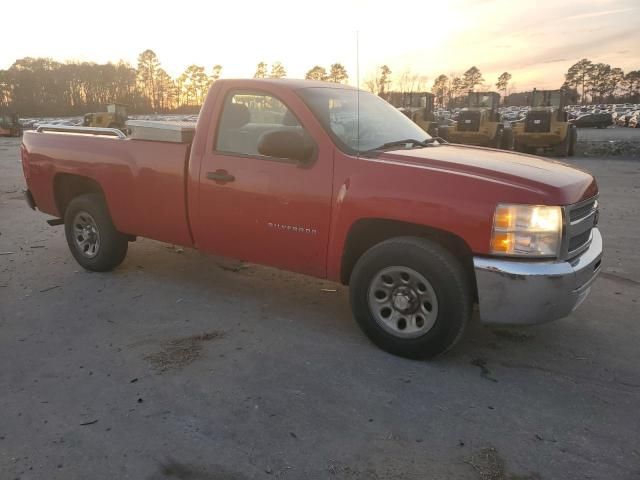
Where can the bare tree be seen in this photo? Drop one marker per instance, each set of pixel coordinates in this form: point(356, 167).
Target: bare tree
point(472, 78)
point(503, 82)
point(440, 89)
point(148, 71)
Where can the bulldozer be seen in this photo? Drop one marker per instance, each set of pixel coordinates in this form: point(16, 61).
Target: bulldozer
point(10, 125)
point(546, 126)
point(425, 117)
point(479, 123)
point(114, 117)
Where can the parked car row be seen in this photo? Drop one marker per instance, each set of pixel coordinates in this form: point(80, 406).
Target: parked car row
point(604, 115)
point(591, 116)
point(628, 119)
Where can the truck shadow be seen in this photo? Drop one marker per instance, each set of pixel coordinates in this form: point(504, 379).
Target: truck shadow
point(270, 299)
point(173, 470)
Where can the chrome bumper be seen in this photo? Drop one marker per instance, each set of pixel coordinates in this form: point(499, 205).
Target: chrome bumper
point(520, 292)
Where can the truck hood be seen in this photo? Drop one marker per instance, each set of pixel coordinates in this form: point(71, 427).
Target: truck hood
point(563, 184)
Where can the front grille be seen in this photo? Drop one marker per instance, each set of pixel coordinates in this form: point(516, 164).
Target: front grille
point(580, 220)
point(468, 121)
point(537, 122)
point(579, 240)
point(582, 211)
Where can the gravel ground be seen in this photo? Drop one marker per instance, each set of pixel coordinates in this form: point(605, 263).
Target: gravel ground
point(609, 142)
point(179, 365)
point(609, 134)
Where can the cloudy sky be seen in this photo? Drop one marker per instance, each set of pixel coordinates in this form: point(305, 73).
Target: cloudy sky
point(536, 41)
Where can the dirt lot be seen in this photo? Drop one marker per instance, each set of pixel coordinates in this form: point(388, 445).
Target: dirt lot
point(607, 142)
point(183, 366)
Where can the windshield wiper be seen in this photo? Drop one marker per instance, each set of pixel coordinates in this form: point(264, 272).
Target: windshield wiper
point(408, 141)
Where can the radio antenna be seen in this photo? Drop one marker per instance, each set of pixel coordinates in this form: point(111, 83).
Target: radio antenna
point(358, 91)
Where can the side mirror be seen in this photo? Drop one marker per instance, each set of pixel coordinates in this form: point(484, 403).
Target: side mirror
point(285, 144)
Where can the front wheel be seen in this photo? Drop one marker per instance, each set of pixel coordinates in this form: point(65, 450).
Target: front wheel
point(411, 297)
point(92, 238)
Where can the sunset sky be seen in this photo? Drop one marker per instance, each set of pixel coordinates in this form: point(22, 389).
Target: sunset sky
point(536, 41)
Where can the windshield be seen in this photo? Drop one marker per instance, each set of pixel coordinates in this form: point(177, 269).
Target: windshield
point(380, 123)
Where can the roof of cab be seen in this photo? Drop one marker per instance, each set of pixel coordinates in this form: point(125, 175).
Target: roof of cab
point(291, 82)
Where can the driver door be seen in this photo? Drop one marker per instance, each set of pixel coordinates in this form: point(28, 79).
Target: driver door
point(261, 209)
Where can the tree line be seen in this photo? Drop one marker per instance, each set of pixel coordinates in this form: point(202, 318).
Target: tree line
point(585, 81)
point(446, 88)
point(45, 87)
point(602, 83)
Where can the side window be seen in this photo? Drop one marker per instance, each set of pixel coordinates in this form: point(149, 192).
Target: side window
point(247, 116)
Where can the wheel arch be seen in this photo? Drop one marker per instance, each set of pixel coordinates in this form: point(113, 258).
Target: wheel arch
point(367, 232)
point(67, 186)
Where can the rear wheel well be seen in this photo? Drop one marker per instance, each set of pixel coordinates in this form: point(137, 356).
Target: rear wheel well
point(366, 233)
point(66, 187)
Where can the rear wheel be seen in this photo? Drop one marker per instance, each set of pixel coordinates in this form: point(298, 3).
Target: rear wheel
point(411, 297)
point(92, 238)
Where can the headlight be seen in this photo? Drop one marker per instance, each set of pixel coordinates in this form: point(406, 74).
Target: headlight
point(526, 230)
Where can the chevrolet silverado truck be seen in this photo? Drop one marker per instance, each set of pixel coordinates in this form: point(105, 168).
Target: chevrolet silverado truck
point(335, 183)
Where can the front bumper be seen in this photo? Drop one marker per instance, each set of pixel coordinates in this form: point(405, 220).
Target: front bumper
point(520, 292)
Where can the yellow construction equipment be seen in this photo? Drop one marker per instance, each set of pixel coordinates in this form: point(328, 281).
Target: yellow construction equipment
point(424, 117)
point(478, 123)
point(546, 125)
point(114, 117)
point(10, 125)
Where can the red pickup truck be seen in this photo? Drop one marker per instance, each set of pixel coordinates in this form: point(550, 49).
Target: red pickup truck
point(333, 182)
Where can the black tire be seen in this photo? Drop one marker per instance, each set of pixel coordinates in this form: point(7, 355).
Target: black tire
point(562, 148)
point(573, 140)
point(443, 132)
point(507, 139)
point(496, 142)
point(446, 275)
point(111, 249)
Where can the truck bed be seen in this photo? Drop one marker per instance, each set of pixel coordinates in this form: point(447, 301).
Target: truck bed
point(143, 181)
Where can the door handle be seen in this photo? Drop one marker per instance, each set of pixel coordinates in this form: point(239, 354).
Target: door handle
point(220, 176)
